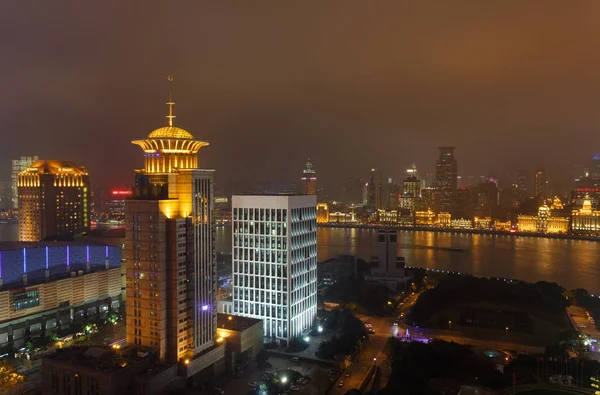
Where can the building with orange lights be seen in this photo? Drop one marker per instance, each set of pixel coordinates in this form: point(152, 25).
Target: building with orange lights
point(53, 198)
point(586, 220)
point(309, 179)
point(322, 213)
point(544, 222)
point(424, 218)
point(170, 253)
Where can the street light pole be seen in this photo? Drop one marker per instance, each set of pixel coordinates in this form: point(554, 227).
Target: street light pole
point(450, 326)
point(506, 333)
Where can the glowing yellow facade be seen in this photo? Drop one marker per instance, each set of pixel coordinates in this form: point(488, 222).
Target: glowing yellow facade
point(444, 220)
point(322, 213)
point(586, 221)
point(388, 216)
point(502, 225)
point(482, 223)
point(424, 218)
point(170, 249)
point(54, 198)
point(461, 223)
point(543, 222)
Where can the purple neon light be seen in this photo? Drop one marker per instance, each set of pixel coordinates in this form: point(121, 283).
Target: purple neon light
point(205, 307)
point(87, 252)
point(0, 264)
point(46, 258)
point(68, 259)
point(106, 252)
point(24, 261)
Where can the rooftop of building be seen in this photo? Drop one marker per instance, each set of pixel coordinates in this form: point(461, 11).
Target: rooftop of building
point(236, 323)
point(55, 167)
point(171, 132)
point(101, 358)
point(19, 245)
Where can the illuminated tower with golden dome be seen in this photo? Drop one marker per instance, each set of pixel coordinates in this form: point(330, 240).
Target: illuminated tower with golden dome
point(170, 250)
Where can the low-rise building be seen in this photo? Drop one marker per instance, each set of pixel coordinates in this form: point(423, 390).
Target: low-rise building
point(49, 286)
point(482, 223)
point(243, 337)
point(425, 218)
point(444, 220)
point(101, 370)
point(544, 222)
point(586, 220)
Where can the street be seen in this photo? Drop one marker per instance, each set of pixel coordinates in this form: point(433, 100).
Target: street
point(373, 349)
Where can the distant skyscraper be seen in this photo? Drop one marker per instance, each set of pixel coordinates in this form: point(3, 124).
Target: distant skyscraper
point(170, 250)
point(54, 199)
point(411, 184)
point(275, 262)
point(541, 183)
point(19, 165)
point(445, 174)
point(522, 185)
point(309, 179)
point(374, 190)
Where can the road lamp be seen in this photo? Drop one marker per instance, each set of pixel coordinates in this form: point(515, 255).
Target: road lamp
point(375, 361)
point(450, 326)
point(506, 332)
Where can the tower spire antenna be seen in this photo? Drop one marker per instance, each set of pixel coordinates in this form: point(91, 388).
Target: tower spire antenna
point(170, 103)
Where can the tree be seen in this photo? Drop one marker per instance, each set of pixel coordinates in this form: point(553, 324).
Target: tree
point(9, 378)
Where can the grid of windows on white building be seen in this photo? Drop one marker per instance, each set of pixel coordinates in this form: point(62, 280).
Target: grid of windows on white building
point(275, 262)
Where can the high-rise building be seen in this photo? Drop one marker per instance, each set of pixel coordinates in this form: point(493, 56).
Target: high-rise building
point(309, 179)
point(170, 251)
point(374, 190)
point(541, 182)
point(411, 184)
point(53, 198)
point(522, 185)
point(446, 171)
point(487, 198)
point(5, 195)
point(275, 262)
point(19, 165)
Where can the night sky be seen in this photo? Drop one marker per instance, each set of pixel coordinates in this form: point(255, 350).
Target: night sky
point(352, 84)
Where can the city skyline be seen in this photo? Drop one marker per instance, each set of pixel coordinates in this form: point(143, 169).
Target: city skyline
point(444, 84)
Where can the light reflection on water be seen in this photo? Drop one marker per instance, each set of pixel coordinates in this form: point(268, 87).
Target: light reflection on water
point(571, 263)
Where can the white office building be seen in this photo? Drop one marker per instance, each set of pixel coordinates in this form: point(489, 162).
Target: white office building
point(275, 262)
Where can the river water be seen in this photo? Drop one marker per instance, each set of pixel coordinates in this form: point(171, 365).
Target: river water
point(570, 263)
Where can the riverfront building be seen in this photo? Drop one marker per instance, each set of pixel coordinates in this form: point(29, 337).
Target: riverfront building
point(275, 262)
point(586, 221)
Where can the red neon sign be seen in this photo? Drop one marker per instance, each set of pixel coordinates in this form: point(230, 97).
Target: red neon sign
point(121, 192)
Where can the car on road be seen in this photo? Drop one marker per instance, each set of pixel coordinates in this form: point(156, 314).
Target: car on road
point(295, 388)
point(341, 383)
point(371, 331)
point(295, 359)
point(253, 384)
point(347, 374)
point(395, 323)
point(580, 326)
point(218, 391)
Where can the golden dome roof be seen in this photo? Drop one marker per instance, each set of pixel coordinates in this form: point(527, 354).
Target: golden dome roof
point(170, 132)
